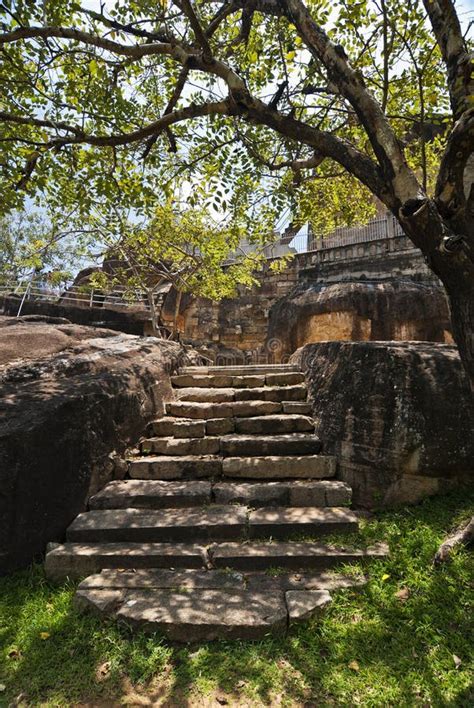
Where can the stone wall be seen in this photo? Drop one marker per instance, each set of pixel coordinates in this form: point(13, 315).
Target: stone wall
point(379, 289)
point(399, 416)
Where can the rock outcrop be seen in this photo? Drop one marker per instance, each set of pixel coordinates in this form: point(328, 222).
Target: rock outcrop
point(71, 398)
point(358, 311)
point(399, 416)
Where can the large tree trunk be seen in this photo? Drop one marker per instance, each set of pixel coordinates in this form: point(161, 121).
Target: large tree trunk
point(447, 249)
point(461, 301)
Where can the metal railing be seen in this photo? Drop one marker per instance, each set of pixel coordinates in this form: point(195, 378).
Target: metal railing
point(305, 241)
point(74, 295)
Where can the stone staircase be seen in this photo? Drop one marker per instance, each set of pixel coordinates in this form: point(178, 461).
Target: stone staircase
point(212, 535)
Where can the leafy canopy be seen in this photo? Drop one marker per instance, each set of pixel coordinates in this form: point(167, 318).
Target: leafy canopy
point(182, 247)
point(84, 105)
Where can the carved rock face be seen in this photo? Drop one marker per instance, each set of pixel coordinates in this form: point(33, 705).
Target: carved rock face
point(399, 416)
point(70, 397)
point(359, 311)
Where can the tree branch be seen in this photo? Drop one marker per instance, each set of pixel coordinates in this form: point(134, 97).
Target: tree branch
point(351, 85)
point(325, 145)
point(186, 7)
point(449, 193)
point(459, 63)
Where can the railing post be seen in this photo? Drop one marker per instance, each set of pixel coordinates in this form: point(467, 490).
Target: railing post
point(91, 299)
point(25, 294)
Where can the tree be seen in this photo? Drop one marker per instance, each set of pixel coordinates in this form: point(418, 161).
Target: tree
point(32, 244)
point(180, 247)
point(123, 103)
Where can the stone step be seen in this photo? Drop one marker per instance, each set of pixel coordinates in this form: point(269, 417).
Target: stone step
point(77, 560)
point(181, 446)
point(273, 467)
point(234, 445)
point(264, 445)
point(177, 427)
point(211, 523)
point(165, 578)
point(228, 395)
point(290, 554)
point(286, 378)
point(257, 425)
point(301, 493)
point(203, 615)
point(217, 381)
point(281, 522)
point(175, 467)
point(237, 409)
point(296, 407)
point(244, 370)
point(238, 608)
point(151, 494)
point(164, 525)
point(156, 494)
point(274, 424)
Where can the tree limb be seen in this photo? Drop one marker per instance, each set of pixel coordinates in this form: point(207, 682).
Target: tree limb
point(449, 192)
point(192, 111)
point(459, 63)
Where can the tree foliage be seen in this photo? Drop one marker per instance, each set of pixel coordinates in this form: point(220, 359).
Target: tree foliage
point(31, 243)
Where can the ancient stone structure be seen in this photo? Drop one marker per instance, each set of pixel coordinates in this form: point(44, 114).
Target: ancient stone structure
point(233, 464)
point(377, 289)
point(399, 416)
point(71, 399)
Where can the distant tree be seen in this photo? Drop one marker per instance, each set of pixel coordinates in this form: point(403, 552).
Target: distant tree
point(249, 98)
point(33, 246)
point(180, 247)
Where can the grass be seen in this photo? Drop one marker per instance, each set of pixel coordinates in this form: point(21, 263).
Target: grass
point(371, 648)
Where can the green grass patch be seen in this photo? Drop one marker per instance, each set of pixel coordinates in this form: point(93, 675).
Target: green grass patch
point(373, 647)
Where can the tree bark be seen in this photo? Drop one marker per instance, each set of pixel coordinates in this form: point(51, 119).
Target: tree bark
point(449, 255)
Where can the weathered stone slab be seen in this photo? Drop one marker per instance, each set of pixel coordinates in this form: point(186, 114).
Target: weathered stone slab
point(202, 381)
point(251, 494)
point(164, 525)
point(274, 424)
point(297, 555)
point(285, 379)
point(206, 395)
point(297, 407)
point(75, 560)
point(98, 600)
point(302, 493)
point(272, 467)
point(244, 409)
point(184, 467)
point(205, 615)
point(151, 494)
point(260, 445)
point(178, 428)
point(243, 370)
point(200, 410)
point(324, 492)
point(282, 522)
point(303, 604)
point(324, 580)
point(268, 393)
point(181, 446)
point(248, 381)
point(164, 578)
point(220, 426)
